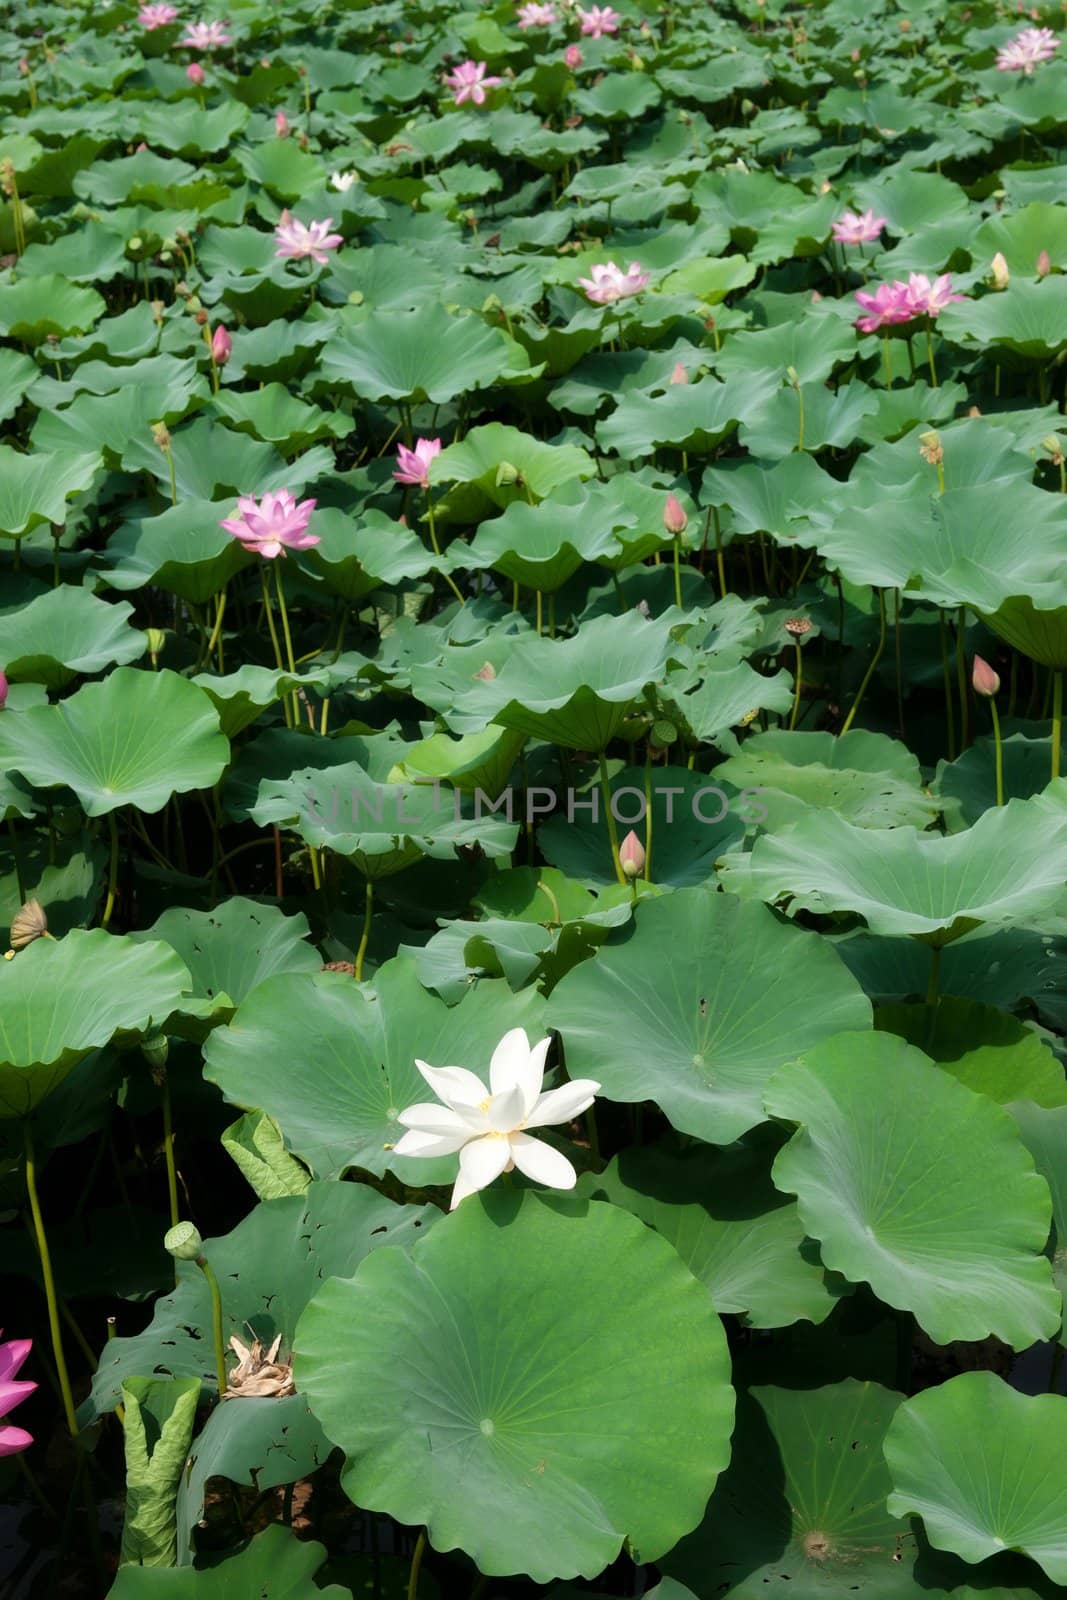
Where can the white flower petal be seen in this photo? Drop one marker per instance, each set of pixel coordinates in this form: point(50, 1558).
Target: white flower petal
point(460, 1190)
point(482, 1160)
point(541, 1163)
point(562, 1104)
point(505, 1110)
point(429, 1144)
point(458, 1088)
point(509, 1060)
point(429, 1118)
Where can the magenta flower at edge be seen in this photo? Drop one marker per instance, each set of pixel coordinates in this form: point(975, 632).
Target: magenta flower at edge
point(413, 466)
point(299, 239)
point(205, 36)
point(609, 283)
point(858, 227)
point(888, 304)
point(533, 15)
point(156, 16)
point(1029, 47)
point(469, 82)
point(273, 525)
point(599, 20)
point(926, 299)
point(12, 1355)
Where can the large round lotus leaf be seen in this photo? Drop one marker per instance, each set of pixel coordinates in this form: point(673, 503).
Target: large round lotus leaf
point(210, 460)
point(970, 782)
point(33, 308)
point(134, 739)
point(694, 821)
point(276, 1565)
point(990, 1051)
point(1020, 237)
point(479, 463)
point(65, 631)
point(867, 778)
point(476, 761)
point(730, 1226)
point(233, 948)
point(34, 488)
point(576, 692)
point(983, 1466)
point(1026, 318)
point(687, 416)
point(333, 1061)
point(537, 546)
point(801, 1508)
point(962, 1254)
point(537, 1382)
point(268, 1269)
point(1008, 868)
point(61, 998)
point(274, 414)
point(420, 355)
point(240, 697)
point(183, 550)
point(1044, 1133)
point(715, 995)
point(720, 693)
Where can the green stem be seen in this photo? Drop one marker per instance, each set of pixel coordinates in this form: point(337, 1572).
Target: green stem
point(900, 662)
point(168, 1151)
point(284, 614)
point(365, 939)
point(437, 550)
point(678, 572)
point(49, 1282)
point(930, 357)
point(998, 751)
point(950, 715)
point(935, 969)
point(800, 428)
point(269, 609)
point(613, 832)
point(648, 819)
point(961, 678)
point(797, 686)
point(173, 479)
point(1057, 720)
point(113, 871)
point(416, 1563)
point(216, 1322)
point(869, 674)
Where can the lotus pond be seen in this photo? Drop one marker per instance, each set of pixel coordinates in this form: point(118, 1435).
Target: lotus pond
point(533, 612)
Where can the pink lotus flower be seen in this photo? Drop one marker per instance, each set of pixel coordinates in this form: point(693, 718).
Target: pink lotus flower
point(599, 20)
point(887, 305)
point(12, 1354)
point(858, 227)
point(926, 299)
point(297, 239)
point(156, 16)
point(273, 525)
point(679, 374)
point(414, 465)
point(674, 518)
point(632, 855)
point(1023, 53)
point(986, 682)
point(533, 15)
point(205, 36)
point(195, 73)
point(609, 283)
point(281, 124)
point(221, 346)
point(469, 82)
point(572, 57)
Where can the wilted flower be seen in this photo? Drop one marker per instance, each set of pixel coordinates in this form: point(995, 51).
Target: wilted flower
point(609, 283)
point(469, 82)
point(161, 434)
point(572, 57)
point(413, 466)
point(1052, 446)
point(1023, 53)
point(599, 20)
point(998, 268)
point(343, 181)
point(28, 925)
point(886, 306)
point(272, 525)
point(281, 124)
point(632, 855)
point(156, 16)
point(858, 227)
point(221, 346)
point(1044, 264)
point(533, 15)
point(205, 36)
point(986, 682)
point(674, 518)
point(297, 240)
point(679, 374)
point(258, 1372)
point(488, 1127)
point(13, 1353)
point(930, 448)
point(195, 73)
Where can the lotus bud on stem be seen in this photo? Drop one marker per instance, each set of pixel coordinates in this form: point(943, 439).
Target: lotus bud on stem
point(1053, 448)
point(986, 683)
point(675, 522)
point(632, 859)
point(793, 377)
point(998, 268)
point(184, 1243)
point(797, 628)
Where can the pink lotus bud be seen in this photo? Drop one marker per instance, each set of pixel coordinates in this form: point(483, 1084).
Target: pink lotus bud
point(986, 682)
point(281, 125)
point(140, 147)
point(573, 57)
point(679, 375)
point(195, 73)
point(999, 269)
point(632, 855)
point(674, 518)
point(221, 346)
point(1044, 264)
point(3, 688)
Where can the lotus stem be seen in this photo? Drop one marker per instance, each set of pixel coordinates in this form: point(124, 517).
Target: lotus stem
point(216, 1321)
point(1057, 720)
point(800, 424)
point(269, 610)
point(930, 356)
point(368, 913)
point(284, 614)
point(719, 563)
point(416, 1563)
point(998, 750)
point(950, 716)
point(540, 603)
point(935, 970)
point(613, 832)
point(678, 571)
point(961, 676)
point(113, 871)
point(797, 686)
point(168, 1150)
point(49, 1281)
point(648, 819)
point(869, 674)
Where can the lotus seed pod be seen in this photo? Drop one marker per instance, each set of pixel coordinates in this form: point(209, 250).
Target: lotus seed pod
point(986, 682)
point(184, 1242)
point(155, 1050)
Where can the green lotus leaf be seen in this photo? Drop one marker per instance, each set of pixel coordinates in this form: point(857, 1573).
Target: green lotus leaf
point(283, 169)
point(336, 1091)
point(980, 1463)
point(274, 414)
point(231, 950)
point(1020, 236)
point(575, 1433)
point(721, 693)
point(1026, 319)
point(730, 1227)
point(61, 998)
point(113, 418)
point(33, 308)
point(830, 418)
point(536, 546)
point(210, 461)
point(419, 356)
point(711, 279)
point(716, 995)
point(17, 373)
point(476, 462)
point(35, 488)
point(970, 781)
point(183, 550)
point(66, 631)
point(134, 739)
point(255, 1144)
point(478, 761)
point(1007, 868)
point(813, 346)
point(355, 556)
point(277, 753)
point(1044, 1133)
point(990, 1051)
point(868, 779)
point(694, 416)
point(963, 1255)
point(241, 696)
point(275, 1565)
point(268, 1269)
point(160, 1414)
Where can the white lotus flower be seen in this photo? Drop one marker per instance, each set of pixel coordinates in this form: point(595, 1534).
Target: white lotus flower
point(489, 1126)
point(343, 180)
